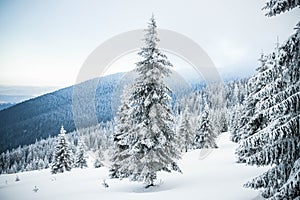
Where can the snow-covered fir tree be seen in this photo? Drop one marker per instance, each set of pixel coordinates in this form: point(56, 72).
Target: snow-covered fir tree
point(205, 136)
point(80, 157)
point(99, 159)
point(278, 140)
point(185, 131)
point(255, 85)
point(219, 117)
point(217, 103)
point(236, 95)
point(62, 159)
point(236, 91)
point(121, 135)
point(234, 123)
point(41, 164)
point(276, 7)
point(152, 146)
point(251, 118)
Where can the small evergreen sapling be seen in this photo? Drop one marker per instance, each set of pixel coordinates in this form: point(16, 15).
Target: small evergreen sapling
point(205, 137)
point(99, 159)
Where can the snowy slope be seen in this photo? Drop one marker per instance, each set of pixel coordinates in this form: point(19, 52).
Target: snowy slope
point(215, 177)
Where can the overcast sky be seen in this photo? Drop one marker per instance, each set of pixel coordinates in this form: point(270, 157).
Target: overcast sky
point(45, 42)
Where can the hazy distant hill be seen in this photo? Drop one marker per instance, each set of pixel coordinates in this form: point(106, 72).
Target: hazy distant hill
point(13, 99)
point(17, 94)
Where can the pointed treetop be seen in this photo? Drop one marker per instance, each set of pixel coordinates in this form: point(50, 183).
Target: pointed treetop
point(62, 130)
point(262, 54)
point(154, 59)
point(151, 38)
point(152, 20)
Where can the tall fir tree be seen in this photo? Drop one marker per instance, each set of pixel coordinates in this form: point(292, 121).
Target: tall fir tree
point(278, 140)
point(252, 120)
point(205, 136)
point(152, 145)
point(80, 157)
point(62, 159)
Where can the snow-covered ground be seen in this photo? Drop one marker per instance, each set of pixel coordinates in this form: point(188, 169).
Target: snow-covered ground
point(217, 176)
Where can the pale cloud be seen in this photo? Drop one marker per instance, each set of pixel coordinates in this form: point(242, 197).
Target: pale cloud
point(46, 42)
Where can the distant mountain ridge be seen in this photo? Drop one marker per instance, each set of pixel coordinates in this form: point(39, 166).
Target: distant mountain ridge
point(42, 116)
point(5, 105)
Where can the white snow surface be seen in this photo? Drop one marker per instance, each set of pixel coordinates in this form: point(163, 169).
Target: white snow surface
point(217, 176)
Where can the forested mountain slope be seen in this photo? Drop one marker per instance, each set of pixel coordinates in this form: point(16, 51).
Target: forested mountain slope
point(41, 117)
